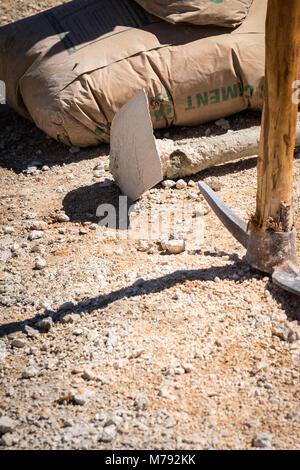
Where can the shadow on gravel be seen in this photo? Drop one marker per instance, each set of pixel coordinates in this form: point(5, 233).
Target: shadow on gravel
point(81, 205)
point(22, 143)
point(289, 302)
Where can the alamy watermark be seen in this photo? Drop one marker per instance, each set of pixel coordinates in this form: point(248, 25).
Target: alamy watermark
point(183, 220)
point(2, 92)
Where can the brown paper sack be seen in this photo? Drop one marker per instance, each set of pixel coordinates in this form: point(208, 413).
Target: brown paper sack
point(218, 12)
point(70, 69)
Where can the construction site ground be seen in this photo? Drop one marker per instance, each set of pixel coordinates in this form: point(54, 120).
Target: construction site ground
point(139, 349)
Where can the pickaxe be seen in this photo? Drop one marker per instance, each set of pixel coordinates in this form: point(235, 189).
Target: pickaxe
point(270, 236)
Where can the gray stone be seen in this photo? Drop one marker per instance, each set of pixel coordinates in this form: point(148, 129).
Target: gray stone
point(175, 246)
point(262, 440)
point(45, 325)
point(31, 332)
point(285, 333)
point(141, 403)
point(8, 230)
point(40, 263)
point(188, 367)
point(7, 424)
point(18, 343)
point(109, 433)
point(181, 184)
point(168, 184)
point(29, 372)
point(35, 235)
point(62, 218)
point(113, 421)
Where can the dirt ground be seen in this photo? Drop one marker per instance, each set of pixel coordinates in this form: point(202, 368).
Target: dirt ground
point(138, 349)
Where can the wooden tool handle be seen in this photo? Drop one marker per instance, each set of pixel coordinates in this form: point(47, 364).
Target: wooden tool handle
point(278, 131)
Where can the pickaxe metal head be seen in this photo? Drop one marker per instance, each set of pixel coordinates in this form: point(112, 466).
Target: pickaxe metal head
point(275, 253)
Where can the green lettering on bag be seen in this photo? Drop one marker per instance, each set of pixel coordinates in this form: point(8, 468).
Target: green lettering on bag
point(99, 131)
point(202, 99)
point(248, 87)
point(215, 96)
point(229, 92)
point(190, 104)
point(158, 115)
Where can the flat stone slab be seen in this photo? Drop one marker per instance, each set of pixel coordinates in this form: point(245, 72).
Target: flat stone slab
point(134, 159)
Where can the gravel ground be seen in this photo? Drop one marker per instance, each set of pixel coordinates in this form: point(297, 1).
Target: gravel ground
point(116, 343)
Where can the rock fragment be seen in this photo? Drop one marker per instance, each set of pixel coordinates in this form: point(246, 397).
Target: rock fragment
point(29, 372)
point(45, 325)
point(7, 424)
point(262, 440)
point(175, 246)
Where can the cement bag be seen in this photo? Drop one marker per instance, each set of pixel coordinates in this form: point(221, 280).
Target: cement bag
point(218, 12)
point(70, 69)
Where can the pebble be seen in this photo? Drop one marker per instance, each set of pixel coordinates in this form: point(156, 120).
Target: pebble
point(181, 184)
point(285, 333)
point(35, 235)
point(214, 183)
point(9, 440)
point(175, 246)
point(80, 397)
point(179, 371)
point(143, 245)
point(98, 173)
point(165, 392)
point(108, 434)
point(45, 325)
point(66, 306)
point(31, 332)
point(260, 365)
point(262, 440)
point(77, 332)
point(99, 166)
point(18, 343)
point(141, 403)
point(39, 225)
point(29, 372)
point(188, 367)
point(7, 424)
point(67, 319)
point(114, 420)
point(223, 123)
point(8, 230)
point(167, 184)
point(88, 375)
point(40, 263)
point(62, 218)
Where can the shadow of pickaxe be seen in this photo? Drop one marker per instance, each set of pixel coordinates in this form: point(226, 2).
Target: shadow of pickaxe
point(270, 236)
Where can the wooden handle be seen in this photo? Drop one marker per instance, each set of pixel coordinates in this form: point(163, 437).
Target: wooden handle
point(278, 130)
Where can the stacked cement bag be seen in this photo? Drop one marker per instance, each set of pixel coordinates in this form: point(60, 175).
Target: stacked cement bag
point(226, 13)
point(70, 69)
